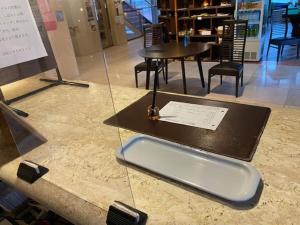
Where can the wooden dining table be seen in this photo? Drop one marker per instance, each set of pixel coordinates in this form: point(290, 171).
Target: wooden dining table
point(177, 51)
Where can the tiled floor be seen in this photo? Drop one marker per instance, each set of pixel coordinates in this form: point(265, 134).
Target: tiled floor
point(265, 82)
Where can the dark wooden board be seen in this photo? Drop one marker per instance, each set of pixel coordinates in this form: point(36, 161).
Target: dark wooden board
point(173, 50)
point(237, 136)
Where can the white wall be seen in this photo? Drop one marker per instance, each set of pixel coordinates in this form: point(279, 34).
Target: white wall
point(61, 44)
point(84, 33)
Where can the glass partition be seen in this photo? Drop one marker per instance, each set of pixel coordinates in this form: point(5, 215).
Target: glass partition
point(66, 93)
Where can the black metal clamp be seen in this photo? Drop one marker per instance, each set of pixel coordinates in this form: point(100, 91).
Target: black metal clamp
point(122, 214)
point(31, 172)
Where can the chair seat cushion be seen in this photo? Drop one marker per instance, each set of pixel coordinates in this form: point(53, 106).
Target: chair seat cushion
point(154, 65)
point(227, 68)
point(285, 41)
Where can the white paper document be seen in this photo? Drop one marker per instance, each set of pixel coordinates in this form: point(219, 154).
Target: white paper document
point(202, 116)
point(20, 40)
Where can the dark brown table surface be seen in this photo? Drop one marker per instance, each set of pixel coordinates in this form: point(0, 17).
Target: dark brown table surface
point(173, 50)
point(237, 136)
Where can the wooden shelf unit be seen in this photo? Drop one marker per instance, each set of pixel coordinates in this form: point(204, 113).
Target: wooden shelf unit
point(181, 15)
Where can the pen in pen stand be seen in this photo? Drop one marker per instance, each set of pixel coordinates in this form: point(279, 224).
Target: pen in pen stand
point(153, 110)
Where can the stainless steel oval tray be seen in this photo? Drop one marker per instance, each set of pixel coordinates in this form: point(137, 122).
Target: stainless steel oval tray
point(228, 178)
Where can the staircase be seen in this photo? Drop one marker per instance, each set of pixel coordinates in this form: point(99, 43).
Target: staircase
point(134, 18)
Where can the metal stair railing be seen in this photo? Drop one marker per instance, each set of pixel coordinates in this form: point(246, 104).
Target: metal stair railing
point(137, 13)
point(133, 23)
point(147, 9)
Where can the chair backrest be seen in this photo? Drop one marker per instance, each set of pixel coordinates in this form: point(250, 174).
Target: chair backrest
point(279, 22)
point(234, 40)
point(153, 34)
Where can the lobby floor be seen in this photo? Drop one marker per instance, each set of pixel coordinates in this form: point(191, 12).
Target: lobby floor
point(265, 82)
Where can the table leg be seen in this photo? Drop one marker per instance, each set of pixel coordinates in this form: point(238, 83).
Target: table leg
point(166, 65)
point(148, 61)
point(200, 71)
point(183, 75)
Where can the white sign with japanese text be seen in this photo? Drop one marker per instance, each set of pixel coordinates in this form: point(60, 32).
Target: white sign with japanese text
point(201, 116)
point(20, 40)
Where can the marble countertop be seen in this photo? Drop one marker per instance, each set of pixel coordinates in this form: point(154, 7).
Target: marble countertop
point(85, 177)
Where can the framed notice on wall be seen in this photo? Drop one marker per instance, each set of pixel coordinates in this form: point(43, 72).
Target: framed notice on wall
point(20, 40)
point(25, 49)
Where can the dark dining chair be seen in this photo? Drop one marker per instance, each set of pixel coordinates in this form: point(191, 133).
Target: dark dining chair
point(279, 31)
point(231, 52)
point(154, 34)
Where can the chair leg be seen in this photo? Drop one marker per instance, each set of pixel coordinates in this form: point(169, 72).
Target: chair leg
point(278, 52)
point(298, 50)
point(268, 50)
point(282, 50)
point(237, 86)
point(208, 84)
point(136, 78)
point(242, 79)
point(163, 72)
point(166, 67)
point(183, 75)
point(162, 69)
point(221, 79)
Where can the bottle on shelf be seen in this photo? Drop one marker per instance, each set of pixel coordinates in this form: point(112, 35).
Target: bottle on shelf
point(186, 38)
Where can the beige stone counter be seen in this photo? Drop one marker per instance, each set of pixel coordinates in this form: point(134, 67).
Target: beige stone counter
point(85, 178)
